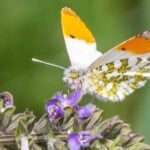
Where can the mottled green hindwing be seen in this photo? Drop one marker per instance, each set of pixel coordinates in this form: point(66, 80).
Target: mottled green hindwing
point(111, 81)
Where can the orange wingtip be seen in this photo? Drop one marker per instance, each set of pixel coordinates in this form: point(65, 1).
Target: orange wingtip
point(139, 44)
point(74, 27)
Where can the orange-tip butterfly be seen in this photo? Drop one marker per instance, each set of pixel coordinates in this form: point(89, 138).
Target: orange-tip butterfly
point(109, 76)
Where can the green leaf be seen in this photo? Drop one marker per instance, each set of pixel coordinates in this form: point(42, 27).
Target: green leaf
point(7, 116)
point(36, 147)
point(41, 126)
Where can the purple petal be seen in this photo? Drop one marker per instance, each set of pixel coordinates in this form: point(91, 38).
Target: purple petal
point(60, 98)
point(76, 95)
point(73, 99)
point(7, 99)
point(73, 142)
point(86, 111)
point(52, 102)
point(85, 138)
point(54, 110)
point(55, 107)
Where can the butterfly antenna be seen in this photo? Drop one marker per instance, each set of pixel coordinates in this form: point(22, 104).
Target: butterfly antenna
point(47, 63)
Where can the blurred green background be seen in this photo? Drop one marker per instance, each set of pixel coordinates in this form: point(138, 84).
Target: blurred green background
point(31, 28)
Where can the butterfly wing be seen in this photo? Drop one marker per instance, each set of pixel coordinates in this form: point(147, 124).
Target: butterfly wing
point(80, 42)
point(121, 70)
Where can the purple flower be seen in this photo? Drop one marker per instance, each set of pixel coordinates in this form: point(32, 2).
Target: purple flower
point(56, 106)
point(54, 110)
point(83, 139)
point(73, 99)
point(86, 111)
point(6, 100)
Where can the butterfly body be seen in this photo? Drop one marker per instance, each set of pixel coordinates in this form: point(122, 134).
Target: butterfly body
point(108, 81)
point(109, 76)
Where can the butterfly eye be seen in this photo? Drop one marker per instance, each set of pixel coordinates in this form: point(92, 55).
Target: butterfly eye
point(74, 75)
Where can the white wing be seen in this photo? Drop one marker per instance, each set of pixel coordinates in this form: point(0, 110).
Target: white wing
point(80, 43)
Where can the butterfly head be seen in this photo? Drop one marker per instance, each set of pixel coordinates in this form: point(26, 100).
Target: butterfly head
point(74, 77)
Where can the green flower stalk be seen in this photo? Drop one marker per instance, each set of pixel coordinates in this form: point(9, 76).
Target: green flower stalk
point(66, 125)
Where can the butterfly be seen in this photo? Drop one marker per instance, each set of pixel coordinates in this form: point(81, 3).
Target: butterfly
point(110, 76)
